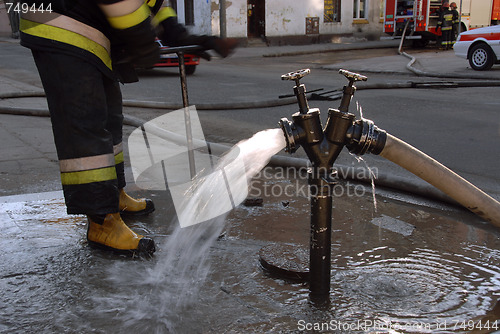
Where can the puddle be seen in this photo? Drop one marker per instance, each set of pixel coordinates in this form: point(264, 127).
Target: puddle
point(406, 268)
point(393, 225)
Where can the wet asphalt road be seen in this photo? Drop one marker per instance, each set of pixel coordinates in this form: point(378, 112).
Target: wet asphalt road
point(410, 261)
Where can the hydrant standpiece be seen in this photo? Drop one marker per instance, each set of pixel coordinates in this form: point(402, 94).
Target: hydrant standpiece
point(323, 146)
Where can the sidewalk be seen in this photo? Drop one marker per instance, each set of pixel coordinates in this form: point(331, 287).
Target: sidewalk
point(438, 63)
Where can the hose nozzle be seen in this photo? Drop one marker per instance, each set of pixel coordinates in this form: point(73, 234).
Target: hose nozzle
point(291, 135)
point(364, 136)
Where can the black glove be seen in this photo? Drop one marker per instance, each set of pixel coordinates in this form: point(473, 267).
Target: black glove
point(175, 34)
point(137, 45)
point(146, 56)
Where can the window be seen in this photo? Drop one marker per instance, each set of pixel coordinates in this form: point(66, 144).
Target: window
point(332, 11)
point(359, 7)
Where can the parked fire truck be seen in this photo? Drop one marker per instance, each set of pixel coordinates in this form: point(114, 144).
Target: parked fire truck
point(421, 16)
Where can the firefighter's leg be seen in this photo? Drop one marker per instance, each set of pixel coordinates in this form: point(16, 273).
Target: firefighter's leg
point(76, 95)
point(130, 206)
point(444, 40)
point(447, 39)
point(450, 39)
point(127, 204)
point(110, 231)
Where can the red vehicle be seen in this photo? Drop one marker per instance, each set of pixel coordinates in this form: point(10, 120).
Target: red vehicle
point(422, 17)
point(171, 59)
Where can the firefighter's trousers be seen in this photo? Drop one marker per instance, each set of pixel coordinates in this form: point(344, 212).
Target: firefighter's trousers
point(447, 37)
point(86, 112)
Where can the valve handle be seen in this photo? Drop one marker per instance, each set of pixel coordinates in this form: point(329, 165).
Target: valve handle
point(296, 76)
point(349, 89)
point(351, 76)
point(299, 90)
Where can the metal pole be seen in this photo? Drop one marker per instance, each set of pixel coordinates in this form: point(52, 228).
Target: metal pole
point(187, 117)
point(14, 17)
point(460, 19)
point(222, 18)
point(321, 234)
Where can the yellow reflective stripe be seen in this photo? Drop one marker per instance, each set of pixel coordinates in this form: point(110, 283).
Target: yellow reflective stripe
point(119, 158)
point(66, 36)
point(88, 176)
point(68, 23)
point(131, 19)
point(163, 14)
point(87, 163)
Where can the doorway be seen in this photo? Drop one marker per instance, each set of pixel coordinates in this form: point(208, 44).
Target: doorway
point(256, 19)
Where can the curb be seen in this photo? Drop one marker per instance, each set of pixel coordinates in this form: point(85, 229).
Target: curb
point(339, 47)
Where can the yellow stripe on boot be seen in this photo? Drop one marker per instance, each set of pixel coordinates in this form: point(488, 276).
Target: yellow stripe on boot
point(131, 206)
point(113, 233)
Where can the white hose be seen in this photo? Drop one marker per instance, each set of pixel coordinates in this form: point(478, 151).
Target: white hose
point(442, 178)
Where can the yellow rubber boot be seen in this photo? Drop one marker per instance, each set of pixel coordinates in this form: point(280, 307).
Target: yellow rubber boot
point(134, 207)
point(113, 233)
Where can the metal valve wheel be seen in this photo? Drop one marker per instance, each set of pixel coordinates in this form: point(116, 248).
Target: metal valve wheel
point(353, 76)
point(296, 75)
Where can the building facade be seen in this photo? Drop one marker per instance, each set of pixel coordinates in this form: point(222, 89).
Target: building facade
point(284, 21)
point(275, 22)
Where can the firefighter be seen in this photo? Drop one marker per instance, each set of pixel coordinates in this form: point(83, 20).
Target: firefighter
point(446, 21)
point(82, 50)
point(453, 9)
